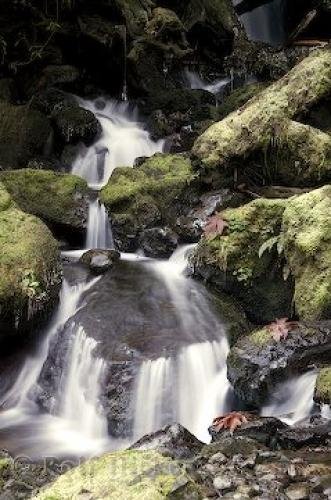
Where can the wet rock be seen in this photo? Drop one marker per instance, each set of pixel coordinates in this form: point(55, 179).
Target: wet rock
point(257, 362)
point(75, 124)
point(173, 441)
point(100, 261)
point(158, 242)
point(19, 144)
point(59, 199)
point(52, 99)
point(53, 75)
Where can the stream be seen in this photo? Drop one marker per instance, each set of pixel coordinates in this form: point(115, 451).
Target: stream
point(128, 352)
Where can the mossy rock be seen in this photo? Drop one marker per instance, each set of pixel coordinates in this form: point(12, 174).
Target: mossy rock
point(58, 199)
point(238, 98)
point(307, 242)
point(323, 386)
point(234, 262)
point(162, 177)
point(23, 134)
point(257, 362)
point(75, 124)
point(128, 474)
point(29, 267)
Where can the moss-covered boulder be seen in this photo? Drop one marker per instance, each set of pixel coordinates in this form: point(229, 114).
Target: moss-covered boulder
point(23, 134)
point(257, 362)
point(128, 474)
point(58, 199)
point(29, 268)
point(323, 386)
point(307, 242)
point(244, 260)
point(145, 197)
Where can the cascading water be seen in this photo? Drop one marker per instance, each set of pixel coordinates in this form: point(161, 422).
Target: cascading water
point(191, 387)
point(265, 23)
point(123, 140)
point(80, 386)
point(293, 400)
point(99, 234)
point(79, 430)
point(195, 82)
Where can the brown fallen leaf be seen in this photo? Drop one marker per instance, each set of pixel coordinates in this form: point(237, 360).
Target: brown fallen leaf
point(280, 328)
point(215, 225)
point(230, 421)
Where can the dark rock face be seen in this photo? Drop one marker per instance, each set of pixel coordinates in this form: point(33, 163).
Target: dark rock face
point(100, 261)
point(255, 368)
point(173, 440)
point(76, 124)
point(18, 144)
point(158, 242)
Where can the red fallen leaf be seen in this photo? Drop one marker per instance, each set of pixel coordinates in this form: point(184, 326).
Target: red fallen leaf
point(215, 225)
point(280, 328)
point(230, 421)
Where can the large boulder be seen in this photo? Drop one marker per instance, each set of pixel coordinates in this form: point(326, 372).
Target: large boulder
point(24, 133)
point(29, 268)
point(100, 261)
point(307, 239)
point(258, 362)
point(59, 199)
point(234, 261)
point(145, 197)
point(74, 124)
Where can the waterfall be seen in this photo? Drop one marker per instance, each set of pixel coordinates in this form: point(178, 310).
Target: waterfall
point(99, 234)
point(19, 395)
point(122, 141)
point(195, 82)
point(191, 388)
point(80, 386)
point(265, 23)
point(293, 400)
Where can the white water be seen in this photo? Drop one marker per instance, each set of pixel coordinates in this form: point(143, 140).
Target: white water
point(80, 387)
point(122, 141)
point(191, 387)
point(293, 400)
point(80, 429)
point(195, 82)
point(265, 23)
point(99, 234)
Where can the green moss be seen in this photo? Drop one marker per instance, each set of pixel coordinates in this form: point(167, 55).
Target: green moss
point(261, 337)
point(52, 196)
point(128, 474)
point(28, 259)
point(257, 122)
point(236, 251)
point(307, 238)
point(323, 386)
point(161, 177)
point(238, 98)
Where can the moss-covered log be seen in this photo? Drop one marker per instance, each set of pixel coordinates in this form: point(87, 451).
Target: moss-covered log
point(262, 119)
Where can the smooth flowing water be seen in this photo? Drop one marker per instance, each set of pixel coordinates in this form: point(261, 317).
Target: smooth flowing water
point(194, 81)
point(99, 234)
point(293, 400)
point(265, 23)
